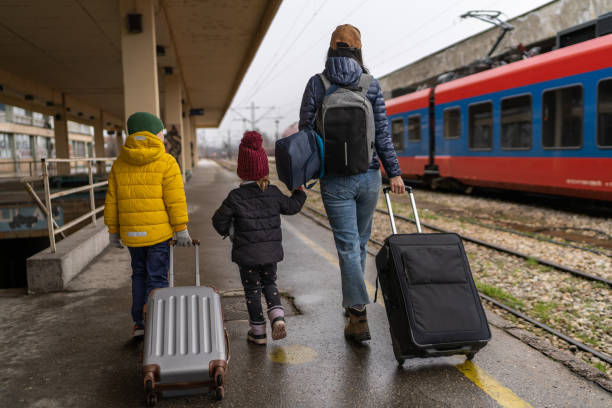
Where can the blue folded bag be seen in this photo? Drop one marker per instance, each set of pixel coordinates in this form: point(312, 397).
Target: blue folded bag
point(299, 158)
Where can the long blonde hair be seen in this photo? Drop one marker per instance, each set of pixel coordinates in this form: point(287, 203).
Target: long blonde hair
point(263, 183)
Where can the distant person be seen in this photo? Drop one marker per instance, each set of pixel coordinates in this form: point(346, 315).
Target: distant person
point(250, 216)
point(173, 144)
point(145, 206)
point(350, 197)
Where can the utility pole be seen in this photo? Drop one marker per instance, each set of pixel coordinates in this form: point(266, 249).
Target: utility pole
point(277, 120)
point(253, 115)
point(229, 144)
point(253, 120)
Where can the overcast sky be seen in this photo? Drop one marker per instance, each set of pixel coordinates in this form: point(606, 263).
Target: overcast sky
point(394, 33)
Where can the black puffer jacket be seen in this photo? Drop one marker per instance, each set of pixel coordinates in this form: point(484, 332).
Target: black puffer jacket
point(257, 224)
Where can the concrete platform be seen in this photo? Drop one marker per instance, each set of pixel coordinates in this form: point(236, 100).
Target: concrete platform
point(72, 349)
point(51, 272)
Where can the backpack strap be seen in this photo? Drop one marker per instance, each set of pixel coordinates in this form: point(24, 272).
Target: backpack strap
point(329, 87)
point(364, 83)
point(325, 81)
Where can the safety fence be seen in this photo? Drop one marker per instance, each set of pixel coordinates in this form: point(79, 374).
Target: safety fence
point(21, 168)
point(64, 166)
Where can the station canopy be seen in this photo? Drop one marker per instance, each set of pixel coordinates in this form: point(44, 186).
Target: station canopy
point(74, 46)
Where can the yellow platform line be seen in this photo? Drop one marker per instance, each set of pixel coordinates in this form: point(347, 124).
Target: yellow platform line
point(504, 396)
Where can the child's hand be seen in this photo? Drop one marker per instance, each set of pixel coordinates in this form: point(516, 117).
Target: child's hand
point(115, 240)
point(183, 239)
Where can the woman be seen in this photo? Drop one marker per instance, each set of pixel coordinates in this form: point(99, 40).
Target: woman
point(350, 201)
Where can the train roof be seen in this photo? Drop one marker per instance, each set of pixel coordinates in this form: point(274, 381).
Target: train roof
point(409, 102)
point(583, 57)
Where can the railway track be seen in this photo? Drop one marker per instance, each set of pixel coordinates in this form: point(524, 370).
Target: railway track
point(568, 339)
point(575, 244)
point(499, 248)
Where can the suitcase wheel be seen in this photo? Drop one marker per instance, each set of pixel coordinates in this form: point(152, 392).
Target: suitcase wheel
point(400, 361)
point(219, 377)
point(219, 393)
point(151, 400)
point(150, 396)
point(470, 356)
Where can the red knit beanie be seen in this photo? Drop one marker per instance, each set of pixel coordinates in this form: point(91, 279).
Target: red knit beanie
point(252, 159)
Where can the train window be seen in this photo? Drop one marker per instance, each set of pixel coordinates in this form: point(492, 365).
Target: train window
point(452, 123)
point(480, 125)
point(562, 117)
point(604, 113)
point(516, 122)
point(397, 130)
point(414, 128)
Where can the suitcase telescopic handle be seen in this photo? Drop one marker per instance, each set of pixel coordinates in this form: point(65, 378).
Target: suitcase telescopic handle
point(390, 209)
point(196, 245)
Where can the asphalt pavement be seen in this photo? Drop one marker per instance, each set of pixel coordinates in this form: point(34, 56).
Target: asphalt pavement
point(72, 349)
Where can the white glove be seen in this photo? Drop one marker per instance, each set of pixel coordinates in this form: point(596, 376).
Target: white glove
point(183, 239)
point(115, 240)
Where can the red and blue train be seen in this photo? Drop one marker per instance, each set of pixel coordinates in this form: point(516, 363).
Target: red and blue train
point(542, 124)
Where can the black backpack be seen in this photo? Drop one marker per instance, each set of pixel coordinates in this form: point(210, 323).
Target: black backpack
point(346, 123)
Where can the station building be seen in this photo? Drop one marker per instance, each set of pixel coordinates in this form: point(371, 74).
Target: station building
point(73, 72)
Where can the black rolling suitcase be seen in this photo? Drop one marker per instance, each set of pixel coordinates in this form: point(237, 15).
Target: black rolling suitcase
point(431, 301)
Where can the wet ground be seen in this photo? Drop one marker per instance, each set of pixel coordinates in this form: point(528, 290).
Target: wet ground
point(72, 349)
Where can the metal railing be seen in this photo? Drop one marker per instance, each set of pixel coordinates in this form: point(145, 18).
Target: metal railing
point(10, 169)
point(16, 168)
point(52, 225)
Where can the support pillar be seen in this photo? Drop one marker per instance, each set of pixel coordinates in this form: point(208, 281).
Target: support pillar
point(139, 58)
point(99, 142)
point(188, 140)
point(173, 109)
point(194, 137)
point(119, 140)
point(62, 149)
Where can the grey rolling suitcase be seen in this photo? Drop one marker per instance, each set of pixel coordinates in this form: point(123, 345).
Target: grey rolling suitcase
point(186, 349)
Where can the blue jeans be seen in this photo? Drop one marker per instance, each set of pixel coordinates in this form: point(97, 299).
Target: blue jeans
point(350, 202)
point(150, 266)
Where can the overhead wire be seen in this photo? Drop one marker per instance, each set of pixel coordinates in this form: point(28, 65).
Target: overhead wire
point(416, 30)
point(263, 83)
point(417, 44)
point(420, 41)
point(293, 61)
point(289, 48)
point(279, 48)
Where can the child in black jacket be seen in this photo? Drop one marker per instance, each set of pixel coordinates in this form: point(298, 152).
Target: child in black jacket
point(253, 211)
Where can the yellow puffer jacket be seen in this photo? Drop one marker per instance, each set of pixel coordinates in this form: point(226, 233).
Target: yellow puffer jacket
point(145, 200)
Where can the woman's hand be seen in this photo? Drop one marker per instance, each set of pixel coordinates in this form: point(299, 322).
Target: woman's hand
point(397, 185)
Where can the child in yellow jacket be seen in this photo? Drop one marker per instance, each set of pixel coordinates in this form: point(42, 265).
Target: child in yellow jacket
point(145, 205)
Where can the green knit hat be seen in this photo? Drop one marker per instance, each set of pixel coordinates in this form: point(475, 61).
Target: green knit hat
point(144, 121)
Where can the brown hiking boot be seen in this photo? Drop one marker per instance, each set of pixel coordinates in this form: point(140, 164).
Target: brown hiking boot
point(357, 325)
